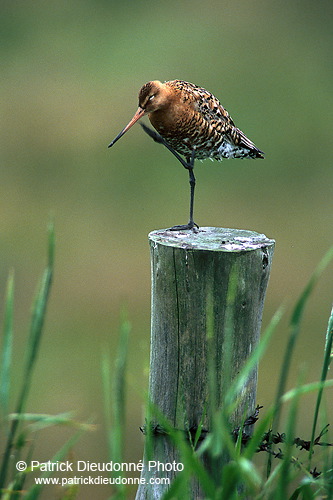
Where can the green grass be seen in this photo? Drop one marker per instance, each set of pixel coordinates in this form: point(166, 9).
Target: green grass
point(114, 392)
point(290, 472)
point(17, 443)
point(14, 441)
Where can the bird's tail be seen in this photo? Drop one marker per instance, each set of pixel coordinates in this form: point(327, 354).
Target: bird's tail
point(245, 142)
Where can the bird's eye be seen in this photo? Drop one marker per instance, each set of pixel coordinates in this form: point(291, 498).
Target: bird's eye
point(151, 97)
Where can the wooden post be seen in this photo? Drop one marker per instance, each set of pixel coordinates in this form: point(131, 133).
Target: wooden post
point(189, 269)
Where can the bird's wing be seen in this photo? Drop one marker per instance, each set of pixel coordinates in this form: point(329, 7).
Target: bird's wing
point(213, 112)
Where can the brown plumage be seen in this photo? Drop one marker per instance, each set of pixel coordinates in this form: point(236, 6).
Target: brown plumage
point(190, 121)
point(189, 117)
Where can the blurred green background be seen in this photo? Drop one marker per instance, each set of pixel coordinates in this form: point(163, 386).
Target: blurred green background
point(70, 74)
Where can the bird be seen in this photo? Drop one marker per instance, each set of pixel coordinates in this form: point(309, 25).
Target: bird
point(191, 123)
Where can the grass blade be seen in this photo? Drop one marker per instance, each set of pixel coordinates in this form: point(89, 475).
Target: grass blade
point(35, 491)
point(295, 324)
point(238, 384)
point(106, 381)
point(326, 365)
point(39, 421)
point(6, 355)
point(38, 317)
point(193, 467)
point(114, 401)
point(36, 328)
point(119, 388)
point(285, 475)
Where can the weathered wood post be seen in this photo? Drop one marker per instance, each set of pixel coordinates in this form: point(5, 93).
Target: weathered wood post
point(188, 270)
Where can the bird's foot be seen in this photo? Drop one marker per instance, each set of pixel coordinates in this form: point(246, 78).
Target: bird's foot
point(185, 227)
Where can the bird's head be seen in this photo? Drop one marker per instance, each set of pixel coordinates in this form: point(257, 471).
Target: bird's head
point(152, 96)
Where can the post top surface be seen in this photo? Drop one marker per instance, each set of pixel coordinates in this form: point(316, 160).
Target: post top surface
point(218, 239)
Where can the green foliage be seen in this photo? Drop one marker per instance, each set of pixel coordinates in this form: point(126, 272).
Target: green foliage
point(36, 327)
point(18, 437)
point(232, 471)
point(114, 391)
point(6, 356)
point(295, 327)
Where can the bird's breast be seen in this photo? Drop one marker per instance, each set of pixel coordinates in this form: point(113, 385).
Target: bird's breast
point(173, 118)
point(184, 128)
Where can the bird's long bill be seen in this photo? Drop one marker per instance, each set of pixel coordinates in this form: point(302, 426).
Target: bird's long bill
point(140, 112)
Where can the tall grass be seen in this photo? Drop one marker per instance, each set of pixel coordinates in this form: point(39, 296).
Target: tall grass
point(290, 472)
point(295, 328)
point(114, 392)
point(307, 474)
point(36, 327)
point(16, 445)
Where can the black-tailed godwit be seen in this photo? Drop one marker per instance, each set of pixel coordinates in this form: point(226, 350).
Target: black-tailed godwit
point(190, 121)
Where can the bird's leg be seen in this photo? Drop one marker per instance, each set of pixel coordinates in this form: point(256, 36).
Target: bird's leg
point(158, 138)
point(189, 165)
point(192, 186)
